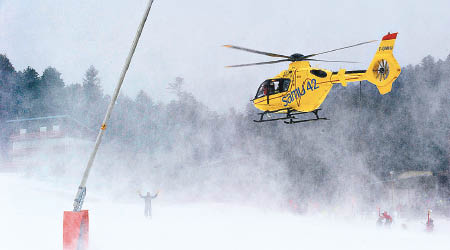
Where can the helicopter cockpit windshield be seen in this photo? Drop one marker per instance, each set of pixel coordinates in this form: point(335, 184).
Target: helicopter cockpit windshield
point(272, 86)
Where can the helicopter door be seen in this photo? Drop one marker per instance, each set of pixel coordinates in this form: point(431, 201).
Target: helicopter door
point(283, 86)
point(272, 86)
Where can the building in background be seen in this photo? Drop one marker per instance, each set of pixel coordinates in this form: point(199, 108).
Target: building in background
point(415, 192)
point(52, 135)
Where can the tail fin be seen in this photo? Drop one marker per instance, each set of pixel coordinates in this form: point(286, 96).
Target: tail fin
point(384, 69)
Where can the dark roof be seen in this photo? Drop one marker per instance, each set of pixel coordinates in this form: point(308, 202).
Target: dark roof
point(51, 118)
point(38, 118)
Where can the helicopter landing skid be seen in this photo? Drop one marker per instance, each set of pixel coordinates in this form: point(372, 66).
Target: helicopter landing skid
point(291, 116)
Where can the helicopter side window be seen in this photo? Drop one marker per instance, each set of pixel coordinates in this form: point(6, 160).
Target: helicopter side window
point(281, 85)
point(273, 85)
point(319, 73)
point(284, 85)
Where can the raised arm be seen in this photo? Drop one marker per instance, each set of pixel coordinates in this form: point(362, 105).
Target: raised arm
point(154, 196)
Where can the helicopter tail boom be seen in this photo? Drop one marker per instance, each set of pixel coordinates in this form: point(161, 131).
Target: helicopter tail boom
point(384, 69)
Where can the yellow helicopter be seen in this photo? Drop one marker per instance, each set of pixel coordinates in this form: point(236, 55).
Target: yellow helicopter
point(301, 89)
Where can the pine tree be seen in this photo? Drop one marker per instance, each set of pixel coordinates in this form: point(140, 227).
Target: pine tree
point(7, 81)
point(52, 89)
point(27, 94)
point(94, 105)
point(91, 86)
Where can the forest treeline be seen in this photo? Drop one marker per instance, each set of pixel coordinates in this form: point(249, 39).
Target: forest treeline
point(407, 129)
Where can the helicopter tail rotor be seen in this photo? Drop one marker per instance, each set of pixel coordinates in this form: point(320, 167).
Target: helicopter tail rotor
point(384, 69)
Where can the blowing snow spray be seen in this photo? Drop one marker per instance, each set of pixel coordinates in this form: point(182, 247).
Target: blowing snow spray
point(76, 222)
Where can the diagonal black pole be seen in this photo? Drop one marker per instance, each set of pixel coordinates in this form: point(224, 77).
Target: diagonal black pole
point(79, 198)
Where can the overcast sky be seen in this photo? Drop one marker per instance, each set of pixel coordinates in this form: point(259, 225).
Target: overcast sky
point(184, 38)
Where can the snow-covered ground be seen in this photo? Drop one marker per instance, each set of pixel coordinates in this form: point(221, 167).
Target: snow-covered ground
point(31, 215)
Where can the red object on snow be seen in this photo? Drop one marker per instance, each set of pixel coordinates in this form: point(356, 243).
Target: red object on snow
point(386, 216)
point(76, 230)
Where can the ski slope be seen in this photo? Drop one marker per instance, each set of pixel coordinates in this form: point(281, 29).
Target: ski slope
point(32, 212)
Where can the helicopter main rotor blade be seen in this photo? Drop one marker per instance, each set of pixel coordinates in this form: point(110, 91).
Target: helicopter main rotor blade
point(318, 60)
point(260, 63)
point(346, 47)
point(256, 51)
